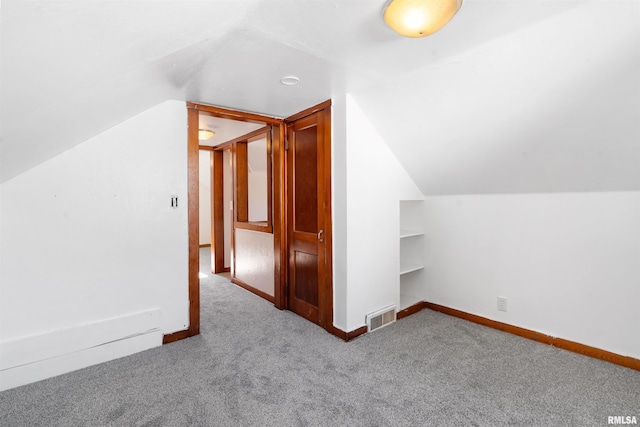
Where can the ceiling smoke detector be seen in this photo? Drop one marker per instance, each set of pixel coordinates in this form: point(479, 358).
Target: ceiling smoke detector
point(289, 80)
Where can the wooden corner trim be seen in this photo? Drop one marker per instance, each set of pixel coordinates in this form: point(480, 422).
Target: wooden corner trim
point(347, 336)
point(411, 310)
point(253, 290)
point(176, 336)
point(337, 332)
point(585, 350)
point(356, 333)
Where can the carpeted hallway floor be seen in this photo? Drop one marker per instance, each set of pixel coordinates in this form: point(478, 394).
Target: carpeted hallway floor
point(254, 365)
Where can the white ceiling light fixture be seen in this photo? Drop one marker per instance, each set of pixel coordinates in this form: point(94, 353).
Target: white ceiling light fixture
point(289, 80)
point(204, 134)
point(419, 18)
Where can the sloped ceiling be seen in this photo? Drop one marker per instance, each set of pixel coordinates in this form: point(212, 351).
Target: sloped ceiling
point(512, 96)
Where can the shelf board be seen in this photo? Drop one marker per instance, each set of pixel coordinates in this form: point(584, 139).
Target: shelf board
point(410, 233)
point(408, 300)
point(406, 267)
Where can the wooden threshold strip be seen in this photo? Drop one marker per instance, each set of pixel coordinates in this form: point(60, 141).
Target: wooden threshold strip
point(585, 350)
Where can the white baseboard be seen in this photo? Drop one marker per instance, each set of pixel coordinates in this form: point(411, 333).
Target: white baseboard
point(28, 359)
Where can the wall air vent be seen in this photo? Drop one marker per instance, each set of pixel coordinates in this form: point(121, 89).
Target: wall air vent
point(380, 318)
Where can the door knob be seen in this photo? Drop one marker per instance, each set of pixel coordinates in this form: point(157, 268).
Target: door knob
point(320, 235)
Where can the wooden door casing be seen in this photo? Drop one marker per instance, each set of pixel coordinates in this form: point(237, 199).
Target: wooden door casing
point(280, 213)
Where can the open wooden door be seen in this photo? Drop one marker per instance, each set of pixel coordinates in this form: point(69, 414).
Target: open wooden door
point(308, 211)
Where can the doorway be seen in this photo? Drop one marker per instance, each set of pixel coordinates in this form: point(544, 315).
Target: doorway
point(302, 254)
point(240, 191)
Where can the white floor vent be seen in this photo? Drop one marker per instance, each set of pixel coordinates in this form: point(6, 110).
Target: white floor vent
point(381, 318)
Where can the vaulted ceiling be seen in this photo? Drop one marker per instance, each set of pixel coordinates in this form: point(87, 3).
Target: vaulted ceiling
point(511, 96)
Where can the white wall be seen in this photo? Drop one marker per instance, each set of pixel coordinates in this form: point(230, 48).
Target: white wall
point(569, 263)
point(339, 208)
point(550, 105)
point(205, 197)
point(375, 184)
point(88, 239)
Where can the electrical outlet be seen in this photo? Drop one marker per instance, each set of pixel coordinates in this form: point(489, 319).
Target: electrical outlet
point(502, 304)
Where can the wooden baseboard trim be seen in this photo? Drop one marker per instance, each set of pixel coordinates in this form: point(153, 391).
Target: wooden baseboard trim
point(176, 336)
point(206, 245)
point(596, 353)
point(337, 332)
point(253, 290)
point(347, 336)
point(356, 333)
point(411, 310)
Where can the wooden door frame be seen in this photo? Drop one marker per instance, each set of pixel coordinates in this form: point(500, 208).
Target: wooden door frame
point(279, 212)
point(193, 206)
point(193, 215)
point(217, 209)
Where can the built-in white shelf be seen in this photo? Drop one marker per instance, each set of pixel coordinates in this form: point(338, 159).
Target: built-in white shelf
point(412, 261)
point(408, 267)
point(410, 233)
point(407, 301)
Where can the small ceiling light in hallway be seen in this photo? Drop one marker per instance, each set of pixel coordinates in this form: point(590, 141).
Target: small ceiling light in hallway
point(204, 134)
point(419, 18)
